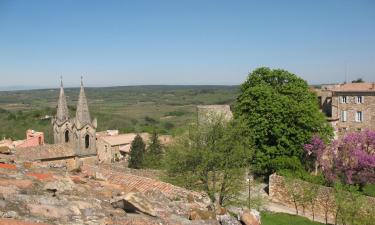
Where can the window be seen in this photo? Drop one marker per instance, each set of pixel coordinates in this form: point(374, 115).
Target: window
point(359, 99)
point(343, 116)
point(359, 116)
point(344, 99)
point(87, 141)
point(66, 136)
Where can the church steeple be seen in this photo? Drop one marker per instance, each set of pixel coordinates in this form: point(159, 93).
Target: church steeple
point(82, 113)
point(62, 114)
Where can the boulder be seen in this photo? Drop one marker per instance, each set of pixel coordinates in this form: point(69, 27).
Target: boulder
point(59, 186)
point(227, 220)
point(133, 202)
point(199, 214)
point(250, 217)
point(48, 211)
point(99, 176)
point(10, 214)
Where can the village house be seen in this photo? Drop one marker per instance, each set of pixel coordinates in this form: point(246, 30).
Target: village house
point(113, 148)
point(349, 107)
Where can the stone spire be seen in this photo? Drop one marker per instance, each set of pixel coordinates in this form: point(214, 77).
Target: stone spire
point(82, 114)
point(62, 114)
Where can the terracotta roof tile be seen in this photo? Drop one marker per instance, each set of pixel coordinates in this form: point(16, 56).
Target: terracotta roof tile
point(354, 87)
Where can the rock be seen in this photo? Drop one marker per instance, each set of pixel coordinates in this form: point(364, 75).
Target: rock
point(99, 176)
point(21, 184)
point(18, 222)
point(227, 220)
point(133, 202)
point(250, 217)
point(10, 214)
point(199, 214)
point(59, 186)
point(220, 210)
point(48, 211)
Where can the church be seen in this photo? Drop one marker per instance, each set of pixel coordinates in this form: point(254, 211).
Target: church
point(74, 137)
point(79, 131)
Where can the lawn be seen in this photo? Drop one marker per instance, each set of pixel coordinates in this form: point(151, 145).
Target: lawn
point(269, 218)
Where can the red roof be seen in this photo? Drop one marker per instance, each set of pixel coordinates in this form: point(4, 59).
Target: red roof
point(355, 87)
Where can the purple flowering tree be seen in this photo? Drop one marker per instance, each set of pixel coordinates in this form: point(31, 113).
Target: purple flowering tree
point(350, 159)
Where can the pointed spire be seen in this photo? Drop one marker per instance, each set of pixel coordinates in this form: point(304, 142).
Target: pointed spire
point(62, 113)
point(82, 114)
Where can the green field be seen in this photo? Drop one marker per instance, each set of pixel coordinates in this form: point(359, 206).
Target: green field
point(129, 109)
point(285, 219)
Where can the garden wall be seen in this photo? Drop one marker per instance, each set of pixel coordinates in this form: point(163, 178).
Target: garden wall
point(324, 201)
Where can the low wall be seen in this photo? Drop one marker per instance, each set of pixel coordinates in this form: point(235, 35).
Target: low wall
point(324, 201)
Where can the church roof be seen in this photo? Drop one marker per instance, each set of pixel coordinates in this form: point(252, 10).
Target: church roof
point(82, 113)
point(62, 108)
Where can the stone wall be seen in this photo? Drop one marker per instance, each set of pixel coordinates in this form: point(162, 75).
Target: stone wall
point(324, 202)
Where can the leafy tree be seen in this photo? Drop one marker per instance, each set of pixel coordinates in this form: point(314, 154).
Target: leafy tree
point(283, 114)
point(154, 153)
point(211, 157)
point(359, 80)
point(349, 160)
point(348, 201)
point(137, 151)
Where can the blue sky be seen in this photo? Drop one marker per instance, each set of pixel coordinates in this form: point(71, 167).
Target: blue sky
point(183, 42)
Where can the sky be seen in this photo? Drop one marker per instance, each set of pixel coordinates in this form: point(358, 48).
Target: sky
point(144, 42)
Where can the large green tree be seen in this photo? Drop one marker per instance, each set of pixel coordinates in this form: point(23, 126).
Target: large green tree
point(137, 151)
point(211, 157)
point(283, 114)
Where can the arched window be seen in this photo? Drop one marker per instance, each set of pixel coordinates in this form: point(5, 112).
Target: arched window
point(66, 136)
point(87, 141)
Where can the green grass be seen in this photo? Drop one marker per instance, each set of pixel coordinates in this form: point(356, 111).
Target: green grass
point(168, 109)
point(285, 219)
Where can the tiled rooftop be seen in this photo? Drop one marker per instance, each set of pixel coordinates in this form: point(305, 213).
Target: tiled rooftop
point(355, 87)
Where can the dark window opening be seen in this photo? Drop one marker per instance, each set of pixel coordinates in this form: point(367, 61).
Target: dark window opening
point(87, 141)
point(66, 136)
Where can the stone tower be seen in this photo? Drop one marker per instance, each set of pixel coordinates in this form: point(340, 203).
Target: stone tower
point(62, 126)
point(80, 131)
point(84, 129)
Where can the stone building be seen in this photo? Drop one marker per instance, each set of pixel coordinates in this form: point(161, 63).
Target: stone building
point(79, 132)
point(349, 107)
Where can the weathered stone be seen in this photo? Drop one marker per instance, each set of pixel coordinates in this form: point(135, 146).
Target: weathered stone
point(250, 217)
point(10, 214)
point(19, 222)
point(133, 202)
point(22, 184)
point(227, 220)
point(199, 214)
point(99, 176)
point(48, 211)
point(59, 186)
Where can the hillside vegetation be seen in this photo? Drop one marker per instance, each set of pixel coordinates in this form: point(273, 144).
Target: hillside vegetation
point(129, 109)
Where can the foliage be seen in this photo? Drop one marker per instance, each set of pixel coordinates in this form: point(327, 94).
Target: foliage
point(137, 151)
point(358, 80)
point(283, 114)
point(154, 153)
point(348, 201)
point(122, 108)
point(350, 159)
point(211, 157)
point(369, 190)
point(269, 218)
